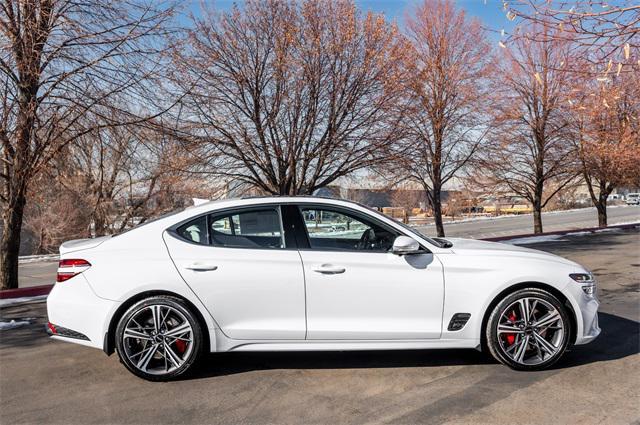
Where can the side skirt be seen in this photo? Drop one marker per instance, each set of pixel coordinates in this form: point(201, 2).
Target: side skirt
point(343, 345)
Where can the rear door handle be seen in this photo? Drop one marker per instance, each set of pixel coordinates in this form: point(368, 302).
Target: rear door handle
point(329, 269)
point(202, 267)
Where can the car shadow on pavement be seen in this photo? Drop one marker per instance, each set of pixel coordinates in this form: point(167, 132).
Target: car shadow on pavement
point(619, 338)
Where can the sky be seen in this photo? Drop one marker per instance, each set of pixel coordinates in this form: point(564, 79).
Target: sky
point(488, 11)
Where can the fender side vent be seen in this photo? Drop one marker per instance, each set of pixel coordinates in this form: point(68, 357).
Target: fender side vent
point(458, 321)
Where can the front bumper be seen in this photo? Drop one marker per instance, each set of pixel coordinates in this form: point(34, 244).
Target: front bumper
point(72, 305)
point(590, 328)
point(586, 309)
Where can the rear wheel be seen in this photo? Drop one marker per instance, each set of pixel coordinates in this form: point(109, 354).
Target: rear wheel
point(528, 330)
point(158, 338)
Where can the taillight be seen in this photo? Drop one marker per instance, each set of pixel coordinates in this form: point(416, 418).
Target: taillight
point(68, 268)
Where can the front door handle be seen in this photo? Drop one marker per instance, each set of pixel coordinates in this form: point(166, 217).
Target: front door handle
point(329, 269)
point(202, 267)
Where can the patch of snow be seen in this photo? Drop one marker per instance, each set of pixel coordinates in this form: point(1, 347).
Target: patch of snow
point(13, 324)
point(544, 213)
point(559, 238)
point(12, 301)
point(535, 239)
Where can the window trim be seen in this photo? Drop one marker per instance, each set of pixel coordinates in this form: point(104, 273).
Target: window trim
point(210, 215)
point(348, 211)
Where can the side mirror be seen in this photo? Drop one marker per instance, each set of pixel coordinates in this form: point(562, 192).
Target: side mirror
point(404, 245)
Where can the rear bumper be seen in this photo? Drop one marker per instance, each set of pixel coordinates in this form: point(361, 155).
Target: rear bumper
point(73, 307)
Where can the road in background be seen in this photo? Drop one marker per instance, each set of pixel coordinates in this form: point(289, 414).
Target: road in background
point(522, 224)
point(44, 273)
point(47, 381)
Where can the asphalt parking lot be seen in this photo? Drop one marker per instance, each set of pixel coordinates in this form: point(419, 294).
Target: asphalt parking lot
point(45, 381)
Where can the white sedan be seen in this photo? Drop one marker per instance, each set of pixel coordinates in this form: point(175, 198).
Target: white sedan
point(306, 273)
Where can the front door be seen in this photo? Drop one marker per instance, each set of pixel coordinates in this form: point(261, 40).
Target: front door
point(238, 265)
point(358, 289)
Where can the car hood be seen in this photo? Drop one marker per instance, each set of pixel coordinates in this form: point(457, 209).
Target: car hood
point(478, 247)
point(81, 244)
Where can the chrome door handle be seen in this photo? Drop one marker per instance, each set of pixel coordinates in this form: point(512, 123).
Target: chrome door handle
point(202, 267)
point(329, 269)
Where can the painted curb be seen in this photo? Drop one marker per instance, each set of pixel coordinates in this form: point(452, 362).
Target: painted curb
point(45, 289)
point(32, 291)
point(562, 232)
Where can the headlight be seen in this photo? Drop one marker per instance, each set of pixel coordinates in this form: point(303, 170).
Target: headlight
point(582, 277)
point(588, 280)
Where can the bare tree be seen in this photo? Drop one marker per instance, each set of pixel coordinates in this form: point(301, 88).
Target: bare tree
point(63, 62)
point(48, 219)
point(605, 33)
point(606, 132)
point(530, 153)
point(289, 96)
point(448, 67)
point(119, 171)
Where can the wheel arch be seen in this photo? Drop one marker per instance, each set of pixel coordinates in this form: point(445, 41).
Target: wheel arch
point(110, 337)
point(530, 284)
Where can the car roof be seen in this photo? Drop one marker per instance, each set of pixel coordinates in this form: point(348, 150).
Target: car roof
point(259, 200)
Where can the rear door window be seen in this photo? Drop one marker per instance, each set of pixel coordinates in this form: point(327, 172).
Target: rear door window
point(260, 228)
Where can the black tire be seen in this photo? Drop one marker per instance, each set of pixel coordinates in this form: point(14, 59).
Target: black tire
point(496, 347)
point(191, 356)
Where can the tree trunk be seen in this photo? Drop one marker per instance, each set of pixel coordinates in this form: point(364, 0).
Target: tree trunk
point(537, 202)
point(601, 204)
point(537, 214)
point(602, 214)
point(537, 220)
point(10, 242)
point(436, 204)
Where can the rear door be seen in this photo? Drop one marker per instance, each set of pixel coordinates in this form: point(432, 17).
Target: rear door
point(239, 265)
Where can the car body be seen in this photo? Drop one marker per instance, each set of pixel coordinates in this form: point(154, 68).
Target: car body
point(308, 273)
point(633, 199)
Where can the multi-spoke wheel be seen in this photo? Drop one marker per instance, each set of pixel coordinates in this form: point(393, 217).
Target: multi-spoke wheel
point(528, 330)
point(158, 338)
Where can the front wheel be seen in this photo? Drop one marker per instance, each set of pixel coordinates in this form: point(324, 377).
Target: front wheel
point(528, 330)
point(158, 338)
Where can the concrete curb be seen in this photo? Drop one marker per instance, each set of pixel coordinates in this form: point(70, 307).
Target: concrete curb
point(45, 289)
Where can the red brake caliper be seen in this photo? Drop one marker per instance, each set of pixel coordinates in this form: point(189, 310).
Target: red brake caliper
point(181, 346)
point(511, 338)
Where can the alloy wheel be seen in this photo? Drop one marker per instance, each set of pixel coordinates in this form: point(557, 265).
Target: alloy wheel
point(157, 339)
point(530, 331)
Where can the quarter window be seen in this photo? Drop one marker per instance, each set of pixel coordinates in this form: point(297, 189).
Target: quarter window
point(249, 229)
point(336, 230)
point(195, 231)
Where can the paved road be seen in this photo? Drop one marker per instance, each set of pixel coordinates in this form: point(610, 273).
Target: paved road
point(551, 221)
point(46, 381)
point(43, 273)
